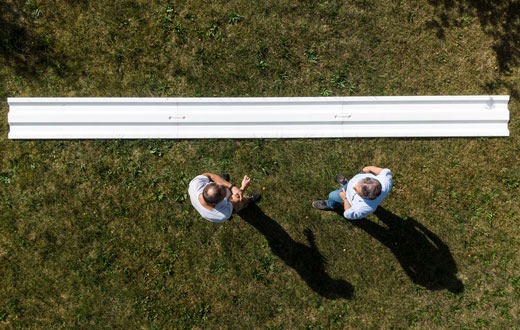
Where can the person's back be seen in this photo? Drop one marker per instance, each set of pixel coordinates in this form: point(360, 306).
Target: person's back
point(220, 212)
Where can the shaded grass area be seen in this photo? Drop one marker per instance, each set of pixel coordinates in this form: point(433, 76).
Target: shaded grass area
point(101, 234)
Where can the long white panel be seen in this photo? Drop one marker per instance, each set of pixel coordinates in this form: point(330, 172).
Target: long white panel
point(291, 117)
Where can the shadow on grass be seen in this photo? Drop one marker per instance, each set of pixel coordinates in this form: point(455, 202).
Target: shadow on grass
point(499, 18)
point(424, 257)
point(307, 260)
point(23, 49)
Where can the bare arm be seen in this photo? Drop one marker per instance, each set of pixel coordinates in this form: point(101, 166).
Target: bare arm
point(343, 195)
point(372, 169)
point(217, 179)
point(245, 183)
point(237, 192)
point(235, 198)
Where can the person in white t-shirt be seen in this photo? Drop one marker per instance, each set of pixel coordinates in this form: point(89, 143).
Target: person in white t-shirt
point(215, 198)
point(361, 195)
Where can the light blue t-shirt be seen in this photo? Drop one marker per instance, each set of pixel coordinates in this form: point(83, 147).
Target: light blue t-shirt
point(220, 213)
point(361, 207)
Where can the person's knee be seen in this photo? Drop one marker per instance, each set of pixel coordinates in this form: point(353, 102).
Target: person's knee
point(334, 195)
point(240, 205)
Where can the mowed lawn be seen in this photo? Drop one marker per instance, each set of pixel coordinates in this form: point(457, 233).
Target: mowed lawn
point(101, 234)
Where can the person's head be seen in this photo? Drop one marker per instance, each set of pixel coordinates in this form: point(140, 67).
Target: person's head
point(369, 188)
point(213, 193)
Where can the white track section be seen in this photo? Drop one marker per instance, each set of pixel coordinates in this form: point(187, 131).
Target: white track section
point(291, 117)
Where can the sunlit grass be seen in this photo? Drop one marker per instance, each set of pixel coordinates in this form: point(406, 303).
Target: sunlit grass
point(100, 234)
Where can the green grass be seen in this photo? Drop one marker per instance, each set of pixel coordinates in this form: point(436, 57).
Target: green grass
point(100, 234)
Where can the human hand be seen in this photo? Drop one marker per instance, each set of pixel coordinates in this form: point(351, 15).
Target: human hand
point(236, 194)
point(245, 182)
point(343, 193)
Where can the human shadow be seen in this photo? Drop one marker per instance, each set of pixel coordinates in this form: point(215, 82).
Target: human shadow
point(305, 259)
point(499, 19)
point(424, 257)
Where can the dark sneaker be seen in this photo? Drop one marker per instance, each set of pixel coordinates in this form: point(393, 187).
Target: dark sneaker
point(255, 198)
point(226, 177)
point(321, 205)
point(341, 179)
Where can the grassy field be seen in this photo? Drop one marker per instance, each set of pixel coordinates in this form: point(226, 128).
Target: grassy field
point(100, 234)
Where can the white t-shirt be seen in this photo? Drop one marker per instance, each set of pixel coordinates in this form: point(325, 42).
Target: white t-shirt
point(361, 207)
point(220, 213)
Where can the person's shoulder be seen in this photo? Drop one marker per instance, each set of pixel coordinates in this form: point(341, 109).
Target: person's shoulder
point(385, 177)
point(385, 172)
point(197, 184)
point(199, 180)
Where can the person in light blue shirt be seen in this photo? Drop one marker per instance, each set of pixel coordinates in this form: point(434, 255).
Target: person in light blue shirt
point(361, 195)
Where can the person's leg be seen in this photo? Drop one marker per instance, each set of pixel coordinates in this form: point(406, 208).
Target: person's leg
point(335, 201)
point(247, 199)
point(239, 205)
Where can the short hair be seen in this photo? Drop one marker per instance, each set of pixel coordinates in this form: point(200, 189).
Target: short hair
point(212, 194)
point(370, 188)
